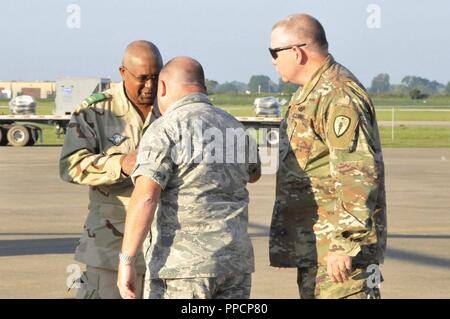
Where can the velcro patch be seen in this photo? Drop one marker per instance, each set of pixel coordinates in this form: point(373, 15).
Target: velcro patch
point(341, 124)
point(341, 127)
point(94, 98)
point(117, 139)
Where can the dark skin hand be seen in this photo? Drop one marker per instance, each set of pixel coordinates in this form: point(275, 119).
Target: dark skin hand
point(127, 162)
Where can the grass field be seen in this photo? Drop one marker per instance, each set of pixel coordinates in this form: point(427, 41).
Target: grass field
point(431, 114)
point(416, 137)
point(435, 109)
point(403, 136)
point(378, 101)
point(414, 115)
point(433, 101)
point(404, 110)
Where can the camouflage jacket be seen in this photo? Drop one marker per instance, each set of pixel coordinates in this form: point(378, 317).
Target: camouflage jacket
point(330, 193)
point(102, 129)
point(202, 218)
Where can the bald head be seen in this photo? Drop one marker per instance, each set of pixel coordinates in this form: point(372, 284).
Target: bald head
point(179, 77)
point(303, 28)
point(141, 65)
point(184, 71)
point(141, 50)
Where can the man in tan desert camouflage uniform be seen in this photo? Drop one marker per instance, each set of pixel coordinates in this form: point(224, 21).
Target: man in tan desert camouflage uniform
point(189, 162)
point(329, 218)
point(99, 151)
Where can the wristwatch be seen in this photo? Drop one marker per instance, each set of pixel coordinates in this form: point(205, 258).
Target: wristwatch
point(127, 260)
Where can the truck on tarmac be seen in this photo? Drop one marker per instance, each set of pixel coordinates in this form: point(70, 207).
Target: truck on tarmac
point(24, 129)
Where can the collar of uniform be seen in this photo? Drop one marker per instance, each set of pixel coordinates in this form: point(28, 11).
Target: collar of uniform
point(120, 103)
point(309, 86)
point(188, 99)
point(152, 115)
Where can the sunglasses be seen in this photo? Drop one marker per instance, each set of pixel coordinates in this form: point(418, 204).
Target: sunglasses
point(274, 52)
point(144, 78)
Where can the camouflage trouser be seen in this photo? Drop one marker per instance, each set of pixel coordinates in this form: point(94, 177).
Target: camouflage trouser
point(99, 283)
point(223, 287)
point(314, 283)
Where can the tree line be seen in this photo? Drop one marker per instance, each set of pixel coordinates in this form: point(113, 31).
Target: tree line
point(256, 84)
point(415, 87)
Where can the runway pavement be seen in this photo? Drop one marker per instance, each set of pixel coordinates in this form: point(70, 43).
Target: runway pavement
point(41, 217)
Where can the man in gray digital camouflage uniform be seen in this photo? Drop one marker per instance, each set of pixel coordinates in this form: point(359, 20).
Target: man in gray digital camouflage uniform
point(99, 151)
point(189, 163)
point(329, 219)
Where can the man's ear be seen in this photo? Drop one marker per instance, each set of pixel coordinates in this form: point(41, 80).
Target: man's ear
point(162, 89)
point(301, 57)
point(122, 72)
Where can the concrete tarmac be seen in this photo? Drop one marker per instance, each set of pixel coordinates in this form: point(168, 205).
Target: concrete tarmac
point(41, 218)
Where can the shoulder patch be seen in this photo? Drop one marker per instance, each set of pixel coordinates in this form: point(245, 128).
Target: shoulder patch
point(341, 127)
point(341, 124)
point(117, 139)
point(94, 98)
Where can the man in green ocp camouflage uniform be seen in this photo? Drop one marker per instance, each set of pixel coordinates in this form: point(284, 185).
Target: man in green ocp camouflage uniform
point(329, 219)
point(100, 151)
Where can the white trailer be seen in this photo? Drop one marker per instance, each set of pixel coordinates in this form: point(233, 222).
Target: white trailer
point(24, 129)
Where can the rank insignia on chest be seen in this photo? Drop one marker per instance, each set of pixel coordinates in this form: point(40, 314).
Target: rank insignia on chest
point(341, 125)
point(117, 139)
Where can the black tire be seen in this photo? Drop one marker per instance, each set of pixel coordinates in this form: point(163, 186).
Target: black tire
point(34, 136)
point(19, 135)
point(3, 138)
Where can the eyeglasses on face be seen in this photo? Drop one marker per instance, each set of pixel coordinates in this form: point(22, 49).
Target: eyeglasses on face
point(143, 78)
point(274, 51)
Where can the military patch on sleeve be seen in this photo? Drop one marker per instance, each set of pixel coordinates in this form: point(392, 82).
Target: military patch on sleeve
point(117, 139)
point(94, 98)
point(342, 126)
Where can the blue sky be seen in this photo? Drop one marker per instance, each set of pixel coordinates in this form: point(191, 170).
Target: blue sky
point(229, 37)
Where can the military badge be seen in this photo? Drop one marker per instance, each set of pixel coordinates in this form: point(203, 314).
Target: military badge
point(342, 128)
point(117, 139)
point(341, 125)
point(94, 98)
